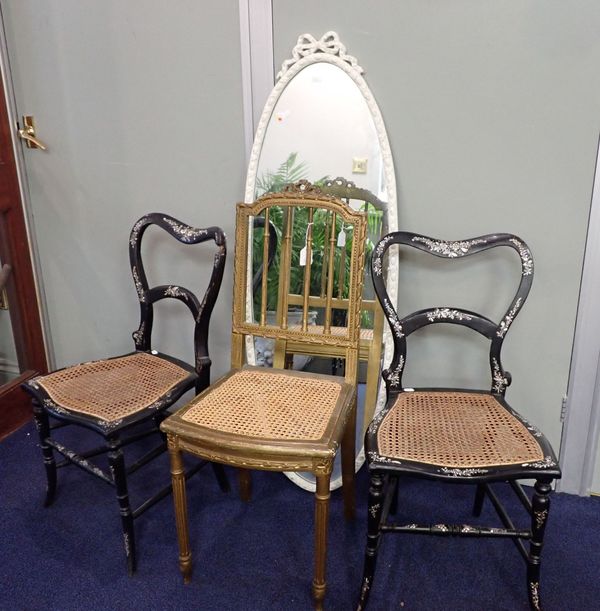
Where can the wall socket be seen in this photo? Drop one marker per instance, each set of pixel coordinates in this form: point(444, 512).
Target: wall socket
point(359, 165)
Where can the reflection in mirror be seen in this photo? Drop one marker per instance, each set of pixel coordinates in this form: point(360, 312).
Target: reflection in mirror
point(9, 367)
point(321, 122)
point(320, 128)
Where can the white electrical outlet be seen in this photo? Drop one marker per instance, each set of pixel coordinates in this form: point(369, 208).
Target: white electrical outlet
point(359, 165)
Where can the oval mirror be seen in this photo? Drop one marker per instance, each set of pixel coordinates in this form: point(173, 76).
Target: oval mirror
point(321, 123)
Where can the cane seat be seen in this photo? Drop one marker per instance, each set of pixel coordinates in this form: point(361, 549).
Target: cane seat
point(302, 414)
point(113, 389)
point(455, 430)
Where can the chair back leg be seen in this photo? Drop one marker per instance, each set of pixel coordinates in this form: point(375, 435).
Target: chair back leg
point(245, 482)
point(348, 464)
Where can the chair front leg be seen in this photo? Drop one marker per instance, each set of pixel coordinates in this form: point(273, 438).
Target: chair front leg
point(42, 424)
point(540, 506)
point(321, 518)
point(348, 464)
point(180, 502)
point(116, 463)
point(373, 535)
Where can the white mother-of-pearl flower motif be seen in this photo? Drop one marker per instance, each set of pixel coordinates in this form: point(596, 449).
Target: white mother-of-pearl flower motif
point(449, 249)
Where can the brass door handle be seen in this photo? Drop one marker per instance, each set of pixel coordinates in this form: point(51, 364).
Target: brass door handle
point(32, 141)
point(27, 133)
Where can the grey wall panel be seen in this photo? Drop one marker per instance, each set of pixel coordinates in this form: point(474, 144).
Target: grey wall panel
point(492, 111)
point(140, 104)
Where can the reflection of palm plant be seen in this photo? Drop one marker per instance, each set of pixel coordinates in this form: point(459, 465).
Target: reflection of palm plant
point(288, 172)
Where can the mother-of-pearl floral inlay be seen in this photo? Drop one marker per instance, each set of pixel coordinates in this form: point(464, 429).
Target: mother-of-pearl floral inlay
point(449, 249)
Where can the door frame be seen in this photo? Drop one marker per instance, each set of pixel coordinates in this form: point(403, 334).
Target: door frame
point(258, 67)
point(581, 429)
point(16, 250)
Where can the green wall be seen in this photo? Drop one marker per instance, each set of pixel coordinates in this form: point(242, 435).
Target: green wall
point(493, 112)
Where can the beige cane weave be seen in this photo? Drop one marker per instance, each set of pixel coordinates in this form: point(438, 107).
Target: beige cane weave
point(268, 405)
point(454, 429)
point(114, 388)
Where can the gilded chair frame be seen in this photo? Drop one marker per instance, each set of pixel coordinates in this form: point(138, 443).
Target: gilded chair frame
point(268, 453)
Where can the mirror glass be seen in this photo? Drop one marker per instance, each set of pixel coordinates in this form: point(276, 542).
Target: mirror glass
point(321, 123)
point(321, 128)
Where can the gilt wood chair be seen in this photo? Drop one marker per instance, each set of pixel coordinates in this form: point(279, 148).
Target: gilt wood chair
point(275, 419)
point(455, 435)
point(124, 398)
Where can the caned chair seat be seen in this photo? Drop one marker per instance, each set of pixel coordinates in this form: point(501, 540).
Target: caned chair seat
point(455, 430)
point(268, 405)
point(113, 389)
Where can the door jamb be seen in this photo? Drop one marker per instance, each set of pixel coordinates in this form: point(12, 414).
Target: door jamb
point(581, 430)
point(258, 71)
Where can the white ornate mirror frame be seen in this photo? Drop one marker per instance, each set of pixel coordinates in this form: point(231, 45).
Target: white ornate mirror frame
point(329, 49)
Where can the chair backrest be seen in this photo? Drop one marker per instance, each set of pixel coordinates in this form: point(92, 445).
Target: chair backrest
point(305, 219)
point(201, 310)
point(494, 331)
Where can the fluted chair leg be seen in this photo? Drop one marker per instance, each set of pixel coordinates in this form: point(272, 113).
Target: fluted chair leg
point(181, 515)
point(42, 423)
point(373, 535)
point(540, 506)
point(348, 465)
point(321, 519)
point(479, 498)
point(116, 462)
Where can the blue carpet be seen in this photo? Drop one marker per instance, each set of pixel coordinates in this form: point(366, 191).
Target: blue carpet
point(259, 555)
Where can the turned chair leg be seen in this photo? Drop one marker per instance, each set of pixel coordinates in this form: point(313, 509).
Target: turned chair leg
point(321, 519)
point(42, 423)
point(116, 463)
point(540, 506)
point(479, 497)
point(373, 537)
point(348, 465)
point(181, 515)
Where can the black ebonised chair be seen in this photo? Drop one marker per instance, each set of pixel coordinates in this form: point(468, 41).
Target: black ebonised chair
point(125, 398)
point(455, 435)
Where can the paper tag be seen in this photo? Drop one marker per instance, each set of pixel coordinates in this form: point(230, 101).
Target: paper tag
point(341, 239)
point(302, 257)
